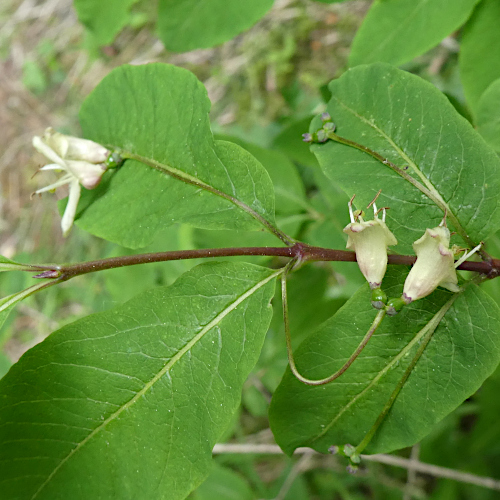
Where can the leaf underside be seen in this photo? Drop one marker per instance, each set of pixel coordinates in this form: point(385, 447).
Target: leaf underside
point(462, 353)
point(129, 403)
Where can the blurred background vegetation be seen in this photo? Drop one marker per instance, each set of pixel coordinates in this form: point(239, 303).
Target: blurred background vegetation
point(264, 86)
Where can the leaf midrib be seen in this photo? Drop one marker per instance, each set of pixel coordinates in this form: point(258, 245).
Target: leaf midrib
point(433, 191)
point(215, 321)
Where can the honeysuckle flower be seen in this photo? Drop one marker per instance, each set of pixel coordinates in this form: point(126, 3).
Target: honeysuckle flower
point(370, 239)
point(83, 161)
point(435, 265)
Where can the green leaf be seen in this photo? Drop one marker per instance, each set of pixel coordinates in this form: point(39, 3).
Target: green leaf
point(479, 48)
point(463, 352)
point(409, 122)
point(5, 364)
point(396, 31)
point(103, 19)
point(488, 115)
point(129, 403)
point(8, 303)
point(159, 113)
point(123, 283)
point(197, 24)
point(9, 265)
point(289, 141)
point(289, 189)
point(223, 484)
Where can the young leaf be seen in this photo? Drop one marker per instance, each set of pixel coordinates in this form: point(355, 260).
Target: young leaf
point(103, 19)
point(396, 31)
point(479, 48)
point(159, 113)
point(463, 351)
point(194, 24)
point(129, 403)
point(411, 124)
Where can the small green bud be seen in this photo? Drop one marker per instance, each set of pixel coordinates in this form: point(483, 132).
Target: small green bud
point(394, 306)
point(320, 136)
point(329, 127)
point(379, 298)
point(113, 160)
point(349, 450)
point(352, 469)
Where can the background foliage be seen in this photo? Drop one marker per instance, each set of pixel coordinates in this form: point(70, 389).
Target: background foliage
point(265, 85)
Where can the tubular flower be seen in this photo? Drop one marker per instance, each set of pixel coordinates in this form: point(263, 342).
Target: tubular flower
point(434, 267)
point(370, 239)
point(83, 161)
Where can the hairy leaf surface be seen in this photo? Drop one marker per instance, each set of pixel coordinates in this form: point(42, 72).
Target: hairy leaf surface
point(463, 352)
point(197, 24)
point(409, 122)
point(396, 31)
point(129, 403)
point(160, 112)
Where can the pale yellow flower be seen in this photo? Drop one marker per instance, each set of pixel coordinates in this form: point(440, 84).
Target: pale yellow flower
point(81, 159)
point(370, 239)
point(435, 265)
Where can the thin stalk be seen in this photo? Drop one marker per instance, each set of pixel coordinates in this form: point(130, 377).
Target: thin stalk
point(293, 367)
point(10, 300)
point(188, 179)
point(425, 334)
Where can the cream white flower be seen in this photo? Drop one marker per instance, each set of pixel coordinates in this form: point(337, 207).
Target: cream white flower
point(435, 265)
point(370, 239)
point(81, 159)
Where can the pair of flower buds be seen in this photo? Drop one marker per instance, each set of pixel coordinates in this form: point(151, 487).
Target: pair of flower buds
point(434, 266)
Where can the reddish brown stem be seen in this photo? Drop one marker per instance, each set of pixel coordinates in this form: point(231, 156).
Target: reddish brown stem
point(299, 251)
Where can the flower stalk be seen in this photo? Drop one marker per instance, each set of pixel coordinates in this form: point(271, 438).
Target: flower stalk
point(291, 361)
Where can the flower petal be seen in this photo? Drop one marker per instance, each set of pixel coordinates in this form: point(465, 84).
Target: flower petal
point(88, 174)
point(369, 239)
point(66, 179)
point(70, 211)
point(435, 265)
point(48, 152)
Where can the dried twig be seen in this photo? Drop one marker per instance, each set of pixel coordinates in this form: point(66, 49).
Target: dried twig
point(405, 463)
